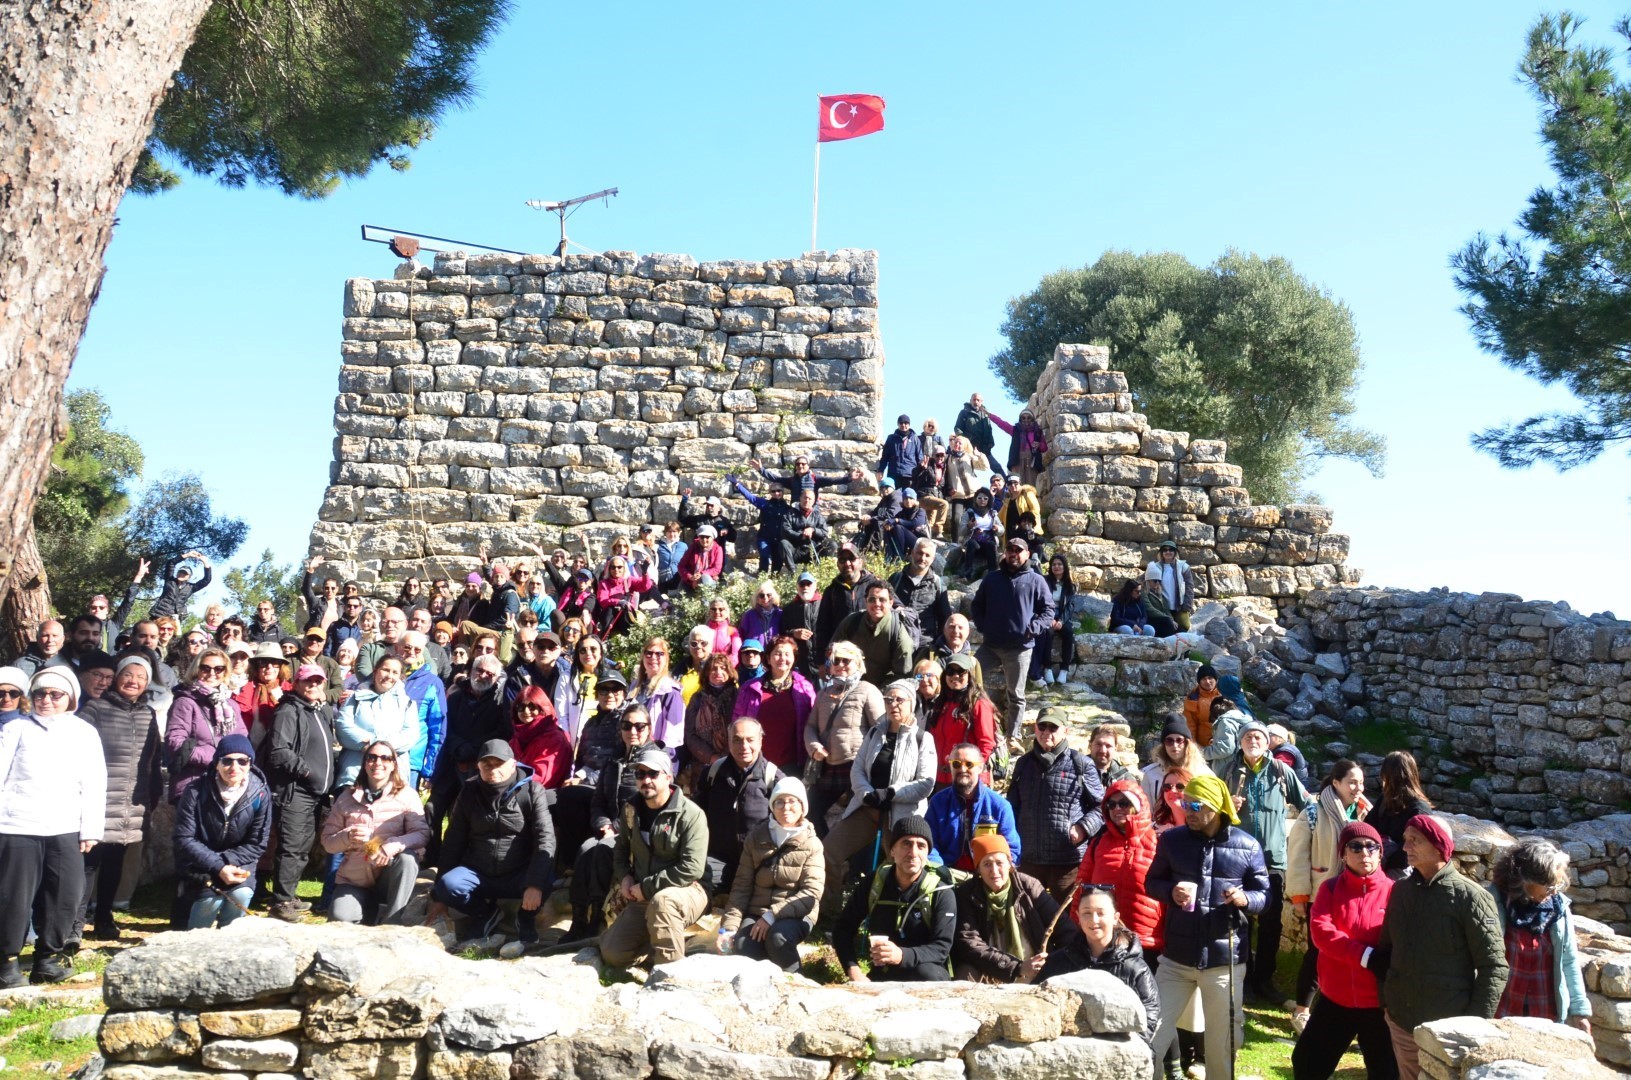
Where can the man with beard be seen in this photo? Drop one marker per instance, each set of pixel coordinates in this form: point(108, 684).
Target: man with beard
point(1013, 605)
point(843, 596)
point(392, 625)
point(956, 812)
point(476, 714)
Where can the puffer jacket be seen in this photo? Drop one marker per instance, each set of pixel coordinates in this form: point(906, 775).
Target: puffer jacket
point(1215, 864)
point(949, 729)
point(130, 748)
point(911, 773)
point(1123, 859)
point(1050, 798)
point(974, 957)
point(1312, 857)
point(370, 716)
point(1448, 951)
point(425, 690)
point(1011, 607)
point(782, 881)
point(497, 833)
point(1345, 921)
point(207, 837)
point(676, 852)
point(945, 816)
point(1270, 792)
point(1568, 985)
point(396, 819)
point(191, 731)
point(545, 748)
point(840, 720)
point(1124, 959)
point(615, 787)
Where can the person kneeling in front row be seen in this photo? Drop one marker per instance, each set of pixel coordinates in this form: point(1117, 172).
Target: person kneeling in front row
point(778, 882)
point(379, 826)
point(223, 827)
point(906, 908)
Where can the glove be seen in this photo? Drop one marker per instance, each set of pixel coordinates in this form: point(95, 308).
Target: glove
point(872, 798)
point(886, 797)
point(1380, 961)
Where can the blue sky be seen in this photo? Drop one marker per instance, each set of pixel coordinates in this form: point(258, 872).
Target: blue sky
point(1365, 143)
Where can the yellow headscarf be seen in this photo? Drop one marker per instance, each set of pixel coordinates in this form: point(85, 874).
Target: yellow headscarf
point(1214, 793)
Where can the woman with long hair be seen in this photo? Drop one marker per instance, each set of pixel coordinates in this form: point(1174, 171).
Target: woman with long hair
point(661, 694)
point(1313, 857)
point(708, 716)
point(762, 622)
point(963, 466)
point(378, 829)
point(1538, 928)
point(981, 529)
point(1106, 945)
point(964, 714)
point(1169, 811)
point(269, 680)
point(1176, 750)
point(201, 715)
point(1127, 614)
point(1062, 629)
point(575, 689)
point(1402, 799)
point(617, 597)
point(726, 638)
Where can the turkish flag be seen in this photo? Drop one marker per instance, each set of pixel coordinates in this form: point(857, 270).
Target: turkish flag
point(849, 116)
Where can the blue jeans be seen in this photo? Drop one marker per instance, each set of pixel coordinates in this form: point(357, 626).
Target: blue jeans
point(212, 909)
point(471, 895)
point(1145, 631)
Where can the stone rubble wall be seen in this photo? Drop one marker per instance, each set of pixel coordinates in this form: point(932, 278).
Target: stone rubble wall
point(561, 400)
point(1518, 1048)
point(1114, 488)
point(335, 1001)
point(1522, 705)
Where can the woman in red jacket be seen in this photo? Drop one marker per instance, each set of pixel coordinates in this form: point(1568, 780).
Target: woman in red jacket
point(1120, 855)
point(539, 741)
point(1346, 925)
point(964, 715)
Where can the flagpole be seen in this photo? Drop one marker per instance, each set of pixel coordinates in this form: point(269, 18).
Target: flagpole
point(815, 203)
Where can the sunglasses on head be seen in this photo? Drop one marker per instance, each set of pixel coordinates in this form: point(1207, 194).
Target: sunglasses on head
point(1088, 888)
point(1364, 847)
point(643, 773)
point(385, 758)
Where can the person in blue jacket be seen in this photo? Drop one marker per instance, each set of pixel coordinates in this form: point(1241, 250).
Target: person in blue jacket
point(774, 552)
point(902, 453)
point(955, 813)
point(1207, 876)
point(426, 691)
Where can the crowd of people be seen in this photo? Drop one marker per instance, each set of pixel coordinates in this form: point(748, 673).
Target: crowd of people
point(825, 764)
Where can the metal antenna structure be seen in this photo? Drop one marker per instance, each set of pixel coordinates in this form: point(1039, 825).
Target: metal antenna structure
point(566, 209)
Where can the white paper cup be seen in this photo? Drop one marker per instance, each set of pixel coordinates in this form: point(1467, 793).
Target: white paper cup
point(1194, 891)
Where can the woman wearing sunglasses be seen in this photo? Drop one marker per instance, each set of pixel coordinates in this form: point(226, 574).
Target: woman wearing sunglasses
point(223, 827)
point(202, 714)
point(53, 802)
point(378, 827)
point(1345, 927)
point(1312, 856)
point(13, 693)
point(1176, 750)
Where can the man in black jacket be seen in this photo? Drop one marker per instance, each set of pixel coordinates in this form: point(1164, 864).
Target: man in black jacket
point(500, 845)
point(806, 534)
point(177, 587)
point(800, 613)
point(301, 771)
point(922, 590)
point(475, 714)
point(264, 627)
point(908, 910)
point(1013, 605)
point(844, 595)
point(735, 796)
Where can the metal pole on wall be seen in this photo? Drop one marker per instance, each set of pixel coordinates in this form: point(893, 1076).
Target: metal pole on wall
point(815, 203)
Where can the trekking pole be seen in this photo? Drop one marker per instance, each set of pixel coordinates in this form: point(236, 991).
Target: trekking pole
point(1066, 906)
point(1231, 992)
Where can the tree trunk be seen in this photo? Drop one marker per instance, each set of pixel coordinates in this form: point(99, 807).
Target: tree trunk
point(80, 81)
point(27, 600)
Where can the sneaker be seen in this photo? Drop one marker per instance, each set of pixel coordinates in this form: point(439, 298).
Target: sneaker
point(301, 906)
point(286, 911)
point(1061, 678)
point(1047, 678)
point(50, 969)
point(1299, 1020)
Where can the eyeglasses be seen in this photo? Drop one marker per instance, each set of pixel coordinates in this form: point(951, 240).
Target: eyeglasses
point(645, 774)
point(1046, 727)
point(1173, 787)
point(49, 695)
point(1118, 804)
point(211, 669)
point(237, 761)
point(627, 726)
point(1364, 847)
point(1195, 806)
point(963, 766)
point(381, 759)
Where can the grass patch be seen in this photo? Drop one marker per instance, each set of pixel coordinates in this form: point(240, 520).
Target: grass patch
point(26, 1042)
point(1378, 737)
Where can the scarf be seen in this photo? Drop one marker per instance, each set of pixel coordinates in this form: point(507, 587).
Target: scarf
point(1004, 919)
point(231, 795)
point(780, 835)
point(368, 795)
point(1535, 918)
point(771, 686)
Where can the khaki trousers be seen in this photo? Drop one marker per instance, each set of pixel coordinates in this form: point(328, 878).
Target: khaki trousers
point(1177, 983)
point(1405, 1050)
point(658, 925)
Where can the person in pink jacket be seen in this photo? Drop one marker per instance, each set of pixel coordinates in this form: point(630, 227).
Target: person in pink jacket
point(378, 827)
point(1346, 925)
point(703, 561)
point(202, 714)
point(617, 597)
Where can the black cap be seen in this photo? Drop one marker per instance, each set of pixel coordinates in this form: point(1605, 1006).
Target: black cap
point(903, 419)
point(1175, 726)
point(612, 680)
point(495, 748)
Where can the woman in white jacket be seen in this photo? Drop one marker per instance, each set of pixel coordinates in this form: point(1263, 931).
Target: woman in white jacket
point(53, 804)
point(884, 791)
point(380, 711)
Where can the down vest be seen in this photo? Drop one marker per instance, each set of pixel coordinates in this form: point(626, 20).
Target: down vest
point(1050, 798)
point(131, 748)
point(1123, 858)
point(1200, 938)
point(783, 882)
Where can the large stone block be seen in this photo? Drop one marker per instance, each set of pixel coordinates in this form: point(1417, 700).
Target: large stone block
point(1124, 525)
point(1096, 442)
point(171, 971)
point(150, 1035)
point(1209, 474)
point(1126, 1058)
point(699, 455)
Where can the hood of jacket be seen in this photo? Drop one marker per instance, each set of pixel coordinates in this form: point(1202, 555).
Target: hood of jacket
point(1139, 823)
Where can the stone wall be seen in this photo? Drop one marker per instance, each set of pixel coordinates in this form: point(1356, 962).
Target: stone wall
point(336, 1001)
point(1521, 705)
point(1115, 488)
point(499, 399)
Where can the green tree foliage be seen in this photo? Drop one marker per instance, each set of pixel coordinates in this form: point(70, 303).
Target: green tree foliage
point(300, 94)
point(1555, 304)
point(1244, 350)
point(266, 580)
point(175, 517)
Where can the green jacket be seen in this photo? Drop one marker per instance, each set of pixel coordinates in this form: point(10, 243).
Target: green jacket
point(1269, 792)
point(676, 854)
point(1448, 953)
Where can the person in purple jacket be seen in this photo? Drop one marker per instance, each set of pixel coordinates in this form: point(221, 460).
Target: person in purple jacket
point(202, 714)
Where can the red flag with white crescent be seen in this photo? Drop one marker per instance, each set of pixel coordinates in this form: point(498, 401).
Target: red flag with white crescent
point(849, 116)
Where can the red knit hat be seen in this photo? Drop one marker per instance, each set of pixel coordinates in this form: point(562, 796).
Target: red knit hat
point(1436, 832)
point(1357, 830)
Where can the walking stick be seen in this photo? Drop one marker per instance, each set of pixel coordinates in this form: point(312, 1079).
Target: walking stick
point(1231, 992)
point(1069, 900)
point(228, 897)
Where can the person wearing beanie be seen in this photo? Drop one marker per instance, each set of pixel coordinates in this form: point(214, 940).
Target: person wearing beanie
point(1003, 916)
point(300, 766)
point(1265, 791)
point(53, 798)
point(1447, 955)
point(1175, 750)
point(778, 883)
point(907, 911)
point(1345, 932)
point(13, 693)
point(1198, 705)
point(1208, 875)
point(1313, 855)
point(223, 828)
point(126, 724)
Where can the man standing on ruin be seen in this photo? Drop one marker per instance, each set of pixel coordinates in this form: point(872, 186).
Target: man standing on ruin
point(1012, 606)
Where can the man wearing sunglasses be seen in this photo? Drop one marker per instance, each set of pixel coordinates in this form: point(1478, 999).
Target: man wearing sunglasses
point(1207, 875)
point(592, 865)
point(844, 595)
point(658, 861)
point(967, 808)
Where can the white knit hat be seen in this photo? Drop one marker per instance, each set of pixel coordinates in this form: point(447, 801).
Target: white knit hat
point(57, 678)
point(14, 676)
point(791, 785)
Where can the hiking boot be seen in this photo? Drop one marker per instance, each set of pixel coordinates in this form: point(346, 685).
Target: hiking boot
point(301, 906)
point(50, 969)
point(11, 974)
point(526, 928)
point(105, 932)
point(287, 911)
